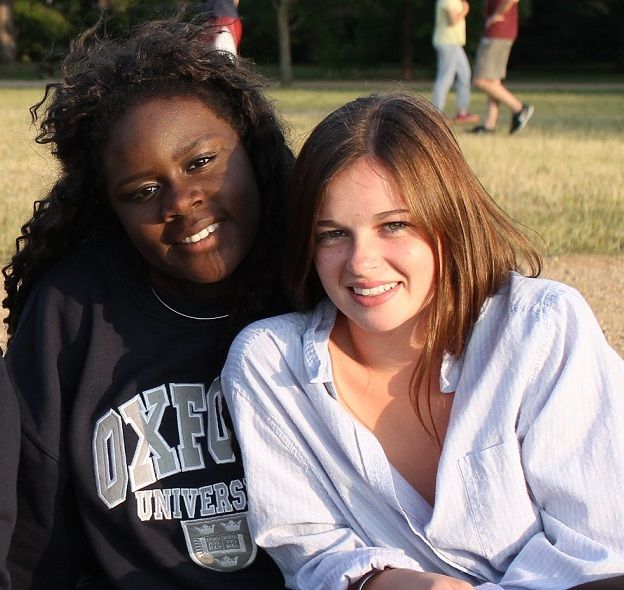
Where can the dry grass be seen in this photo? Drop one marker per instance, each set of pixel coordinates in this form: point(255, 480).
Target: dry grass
point(27, 169)
point(562, 176)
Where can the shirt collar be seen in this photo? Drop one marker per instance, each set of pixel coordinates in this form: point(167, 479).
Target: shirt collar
point(316, 352)
point(315, 342)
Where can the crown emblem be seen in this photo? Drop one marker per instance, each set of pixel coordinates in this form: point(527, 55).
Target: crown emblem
point(231, 526)
point(222, 543)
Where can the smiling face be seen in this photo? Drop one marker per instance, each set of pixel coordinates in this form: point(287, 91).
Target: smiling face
point(372, 261)
point(181, 183)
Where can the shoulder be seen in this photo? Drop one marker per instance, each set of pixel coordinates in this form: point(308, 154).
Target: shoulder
point(541, 315)
point(260, 359)
point(536, 299)
point(274, 333)
point(89, 276)
point(88, 262)
point(296, 341)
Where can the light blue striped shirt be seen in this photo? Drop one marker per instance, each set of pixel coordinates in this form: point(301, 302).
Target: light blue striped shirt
point(530, 483)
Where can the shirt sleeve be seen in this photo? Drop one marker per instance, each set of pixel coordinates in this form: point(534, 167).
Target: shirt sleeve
point(572, 445)
point(9, 445)
point(293, 513)
point(224, 41)
point(46, 548)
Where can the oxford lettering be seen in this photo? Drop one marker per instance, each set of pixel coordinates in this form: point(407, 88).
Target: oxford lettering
point(201, 431)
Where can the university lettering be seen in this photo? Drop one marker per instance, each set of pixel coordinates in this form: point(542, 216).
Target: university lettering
point(199, 416)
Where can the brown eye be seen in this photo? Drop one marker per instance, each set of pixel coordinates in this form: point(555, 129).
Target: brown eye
point(333, 234)
point(144, 194)
point(201, 162)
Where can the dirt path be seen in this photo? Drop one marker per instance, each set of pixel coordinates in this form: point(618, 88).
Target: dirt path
point(600, 279)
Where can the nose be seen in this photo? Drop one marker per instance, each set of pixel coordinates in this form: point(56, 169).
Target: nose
point(179, 201)
point(363, 257)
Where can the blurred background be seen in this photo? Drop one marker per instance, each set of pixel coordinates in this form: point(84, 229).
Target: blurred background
point(562, 177)
point(299, 39)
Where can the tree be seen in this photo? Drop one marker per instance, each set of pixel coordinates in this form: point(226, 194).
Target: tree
point(282, 10)
point(8, 46)
point(408, 40)
point(609, 16)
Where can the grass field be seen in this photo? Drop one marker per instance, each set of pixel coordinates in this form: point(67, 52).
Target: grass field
point(563, 176)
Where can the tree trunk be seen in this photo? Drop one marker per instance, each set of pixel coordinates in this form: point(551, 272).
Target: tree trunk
point(8, 47)
point(618, 13)
point(282, 8)
point(408, 40)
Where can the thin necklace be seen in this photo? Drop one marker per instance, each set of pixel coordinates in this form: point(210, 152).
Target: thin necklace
point(184, 315)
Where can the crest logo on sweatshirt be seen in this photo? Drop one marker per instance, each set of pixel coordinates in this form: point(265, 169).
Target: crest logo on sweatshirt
point(222, 543)
point(136, 448)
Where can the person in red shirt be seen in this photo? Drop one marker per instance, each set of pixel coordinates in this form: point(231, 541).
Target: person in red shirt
point(501, 30)
point(227, 19)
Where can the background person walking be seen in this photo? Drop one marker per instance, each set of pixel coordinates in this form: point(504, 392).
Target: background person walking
point(449, 39)
point(228, 20)
point(501, 30)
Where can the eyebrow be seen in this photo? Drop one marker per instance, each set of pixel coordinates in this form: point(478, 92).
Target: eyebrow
point(126, 180)
point(193, 144)
point(379, 216)
point(179, 153)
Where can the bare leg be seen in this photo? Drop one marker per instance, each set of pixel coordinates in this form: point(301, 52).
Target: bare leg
point(492, 113)
point(495, 90)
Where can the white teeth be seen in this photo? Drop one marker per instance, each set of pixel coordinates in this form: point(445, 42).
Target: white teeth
point(204, 233)
point(375, 290)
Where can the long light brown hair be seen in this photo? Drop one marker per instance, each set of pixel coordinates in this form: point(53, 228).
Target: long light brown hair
point(476, 244)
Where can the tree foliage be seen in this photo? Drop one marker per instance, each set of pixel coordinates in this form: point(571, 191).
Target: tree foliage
point(352, 34)
point(41, 30)
point(7, 32)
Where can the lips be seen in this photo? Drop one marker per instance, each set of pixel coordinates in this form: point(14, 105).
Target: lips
point(200, 235)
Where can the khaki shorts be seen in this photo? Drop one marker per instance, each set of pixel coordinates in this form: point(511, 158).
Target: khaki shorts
point(492, 58)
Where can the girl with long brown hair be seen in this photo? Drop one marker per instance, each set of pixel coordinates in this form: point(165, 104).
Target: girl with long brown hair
point(435, 416)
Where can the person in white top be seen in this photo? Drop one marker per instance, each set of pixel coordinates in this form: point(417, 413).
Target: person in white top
point(436, 417)
point(449, 39)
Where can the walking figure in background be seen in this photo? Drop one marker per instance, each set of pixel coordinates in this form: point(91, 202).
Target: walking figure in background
point(228, 20)
point(501, 30)
point(449, 39)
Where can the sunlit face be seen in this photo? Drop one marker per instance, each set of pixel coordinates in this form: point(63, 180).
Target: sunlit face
point(182, 185)
point(372, 261)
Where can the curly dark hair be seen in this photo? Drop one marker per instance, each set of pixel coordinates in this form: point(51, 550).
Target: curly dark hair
point(101, 78)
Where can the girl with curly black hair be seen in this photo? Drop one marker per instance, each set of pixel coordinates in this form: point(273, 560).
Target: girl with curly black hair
point(160, 239)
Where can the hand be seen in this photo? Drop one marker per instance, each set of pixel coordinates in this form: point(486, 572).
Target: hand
point(404, 579)
point(492, 20)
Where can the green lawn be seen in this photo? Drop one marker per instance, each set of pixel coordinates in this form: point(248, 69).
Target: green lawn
point(563, 176)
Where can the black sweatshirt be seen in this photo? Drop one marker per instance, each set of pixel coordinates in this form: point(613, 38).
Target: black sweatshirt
point(127, 476)
point(9, 452)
